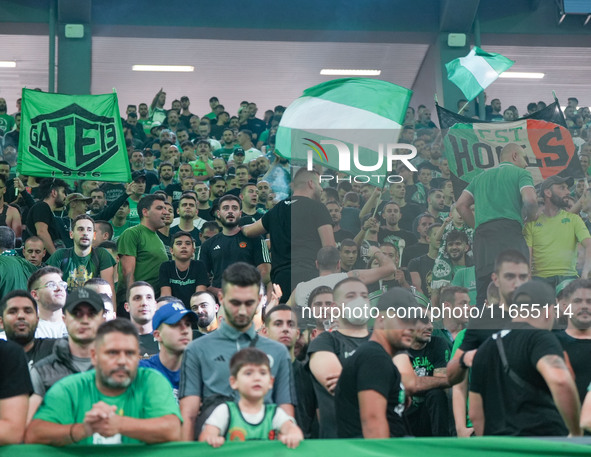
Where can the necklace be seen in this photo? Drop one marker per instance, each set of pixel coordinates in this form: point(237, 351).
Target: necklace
point(178, 274)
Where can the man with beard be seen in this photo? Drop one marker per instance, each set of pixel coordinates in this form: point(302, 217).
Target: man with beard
point(369, 395)
point(183, 276)
point(188, 220)
point(428, 414)
point(334, 209)
point(435, 204)
point(231, 245)
point(206, 306)
point(264, 193)
point(228, 145)
point(554, 258)
point(166, 174)
point(140, 249)
point(390, 230)
point(6, 120)
point(217, 187)
point(205, 377)
point(576, 339)
point(141, 406)
point(40, 219)
point(84, 312)
point(19, 318)
point(82, 262)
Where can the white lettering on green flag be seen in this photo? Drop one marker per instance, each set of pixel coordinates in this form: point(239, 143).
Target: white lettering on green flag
point(72, 136)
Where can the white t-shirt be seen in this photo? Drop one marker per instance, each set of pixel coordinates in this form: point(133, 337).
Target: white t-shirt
point(48, 329)
point(304, 289)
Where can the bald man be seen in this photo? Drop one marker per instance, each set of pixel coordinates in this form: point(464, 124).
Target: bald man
point(504, 199)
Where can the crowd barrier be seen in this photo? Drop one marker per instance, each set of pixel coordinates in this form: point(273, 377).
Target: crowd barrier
point(403, 447)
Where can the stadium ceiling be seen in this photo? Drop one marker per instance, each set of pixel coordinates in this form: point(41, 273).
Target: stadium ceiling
point(269, 53)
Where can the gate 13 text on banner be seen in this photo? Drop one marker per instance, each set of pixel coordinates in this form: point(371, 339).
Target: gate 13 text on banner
point(72, 136)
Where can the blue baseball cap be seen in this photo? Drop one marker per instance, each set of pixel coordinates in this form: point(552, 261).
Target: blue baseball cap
point(171, 313)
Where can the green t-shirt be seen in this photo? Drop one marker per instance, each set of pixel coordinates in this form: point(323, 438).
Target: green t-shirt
point(555, 255)
point(199, 167)
point(133, 217)
point(149, 396)
point(117, 231)
point(78, 270)
point(466, 277)
point(497, 193)
point(149, 252)
point(15, 272)
point(224, 153)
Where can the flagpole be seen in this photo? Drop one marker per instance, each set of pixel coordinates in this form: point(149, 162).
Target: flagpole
point(462, 109)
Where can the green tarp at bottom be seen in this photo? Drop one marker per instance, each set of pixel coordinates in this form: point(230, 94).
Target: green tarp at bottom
point(404, 447)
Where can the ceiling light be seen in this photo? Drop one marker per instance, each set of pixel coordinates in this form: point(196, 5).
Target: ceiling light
point(331, 72)
point(7, 64)
point(521, 75)
point(173, 68)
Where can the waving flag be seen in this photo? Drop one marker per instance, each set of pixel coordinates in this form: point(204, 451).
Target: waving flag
point(478, 70)
point(354, 114)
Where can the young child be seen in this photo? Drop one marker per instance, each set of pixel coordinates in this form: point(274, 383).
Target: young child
point(250, 419)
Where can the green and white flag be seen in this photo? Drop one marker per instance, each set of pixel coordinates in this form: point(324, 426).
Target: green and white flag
point(478, 70)
point(72, 136)
point(360, 117)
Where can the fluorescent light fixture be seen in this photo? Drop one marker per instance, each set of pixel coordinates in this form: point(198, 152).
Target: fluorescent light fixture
point(170, 68)
point(331, 72)
point(7, 64)
point(521, 75)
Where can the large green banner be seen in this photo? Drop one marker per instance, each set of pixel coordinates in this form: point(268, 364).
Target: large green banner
point(400, 447)
point(72, 136)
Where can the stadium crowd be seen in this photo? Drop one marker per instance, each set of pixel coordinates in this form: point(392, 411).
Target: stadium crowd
point(223, 293)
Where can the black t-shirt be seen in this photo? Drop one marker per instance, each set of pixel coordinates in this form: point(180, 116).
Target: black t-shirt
point(434, 355)
point(175, 191)
point(148, 346)
point(343, 235)
point(112, 191)
point(183, 283)
point(579, 355)
point(42, 348)
point(247, 219)
point(305, 411)
point(370, 368)
point(41, 212)
point(510, 409)
point(221, 250)
point(480, 329)
point(277, 222)
point(194, 233)
point(14, 371)
point(413, 252)
point(408, 214)
point(343, 347)
point(423, 265)
point(394, 237)
point(205, 214)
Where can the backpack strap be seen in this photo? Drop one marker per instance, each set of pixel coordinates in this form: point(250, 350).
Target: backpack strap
point(522, 383)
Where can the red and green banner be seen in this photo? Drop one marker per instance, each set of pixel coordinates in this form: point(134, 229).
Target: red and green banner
point(472, 146)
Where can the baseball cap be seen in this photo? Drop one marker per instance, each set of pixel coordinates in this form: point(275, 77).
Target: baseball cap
point(155, 125)
point(77, 197)
point(549, 182)
point(84, 295)
point(137, 175)
point(239, 152)
point(538, 292)
point(396, 297)
point(171, 313)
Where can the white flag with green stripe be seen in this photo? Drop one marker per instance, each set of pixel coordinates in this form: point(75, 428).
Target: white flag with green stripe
point(478, 70)
point(358, 112)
